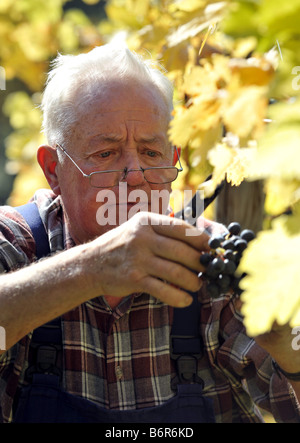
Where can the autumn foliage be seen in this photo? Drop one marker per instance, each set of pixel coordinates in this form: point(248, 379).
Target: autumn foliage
point(234, 65)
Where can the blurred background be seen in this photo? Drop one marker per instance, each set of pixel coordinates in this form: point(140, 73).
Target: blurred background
point(32, 32)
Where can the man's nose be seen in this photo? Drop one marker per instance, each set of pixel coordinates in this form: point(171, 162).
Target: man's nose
point(134, 175)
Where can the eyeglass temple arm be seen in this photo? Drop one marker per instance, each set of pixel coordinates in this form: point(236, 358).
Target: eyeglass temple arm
point(75, 164)
point(176, 156)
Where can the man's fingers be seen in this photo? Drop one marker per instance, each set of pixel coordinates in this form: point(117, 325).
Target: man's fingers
point(175, 273)
point(168, 294)
point(180, 230)
point(177, 251)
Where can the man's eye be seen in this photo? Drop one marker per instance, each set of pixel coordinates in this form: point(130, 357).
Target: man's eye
point(104, 154)
point(152, 154)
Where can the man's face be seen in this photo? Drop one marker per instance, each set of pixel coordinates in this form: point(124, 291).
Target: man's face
point(120, 126)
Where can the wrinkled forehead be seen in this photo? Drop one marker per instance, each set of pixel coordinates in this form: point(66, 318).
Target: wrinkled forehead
point(113, 104)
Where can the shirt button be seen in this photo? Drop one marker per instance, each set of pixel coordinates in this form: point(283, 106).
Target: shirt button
point(119, 372)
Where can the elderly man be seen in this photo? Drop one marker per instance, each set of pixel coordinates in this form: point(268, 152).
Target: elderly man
point(115, 288)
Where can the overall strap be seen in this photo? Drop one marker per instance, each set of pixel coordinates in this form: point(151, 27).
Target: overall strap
point(46, 346)
point(32, 216)
point(186, 342)
point(47, 339)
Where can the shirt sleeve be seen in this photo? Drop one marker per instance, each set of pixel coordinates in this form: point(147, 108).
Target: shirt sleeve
point(17, 249)
point(17, 246)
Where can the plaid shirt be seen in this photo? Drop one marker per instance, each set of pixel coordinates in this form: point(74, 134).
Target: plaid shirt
point(120, 358)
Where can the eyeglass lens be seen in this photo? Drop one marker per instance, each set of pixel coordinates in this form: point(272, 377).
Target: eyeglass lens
point(156, 176)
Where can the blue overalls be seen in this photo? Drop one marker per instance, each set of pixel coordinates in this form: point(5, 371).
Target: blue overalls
point(44, 401)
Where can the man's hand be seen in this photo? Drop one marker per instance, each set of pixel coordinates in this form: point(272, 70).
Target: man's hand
point(149, 253)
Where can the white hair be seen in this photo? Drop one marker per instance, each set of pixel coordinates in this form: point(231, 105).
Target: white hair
point(73, 74)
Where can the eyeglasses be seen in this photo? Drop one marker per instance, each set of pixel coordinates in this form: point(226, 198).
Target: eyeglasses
point(108, 179)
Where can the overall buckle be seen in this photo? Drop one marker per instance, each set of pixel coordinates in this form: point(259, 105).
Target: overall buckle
point(45, 361)
point(186, 363)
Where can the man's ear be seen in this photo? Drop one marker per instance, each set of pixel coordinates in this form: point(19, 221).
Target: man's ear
point(47, 158)
point(175, 157)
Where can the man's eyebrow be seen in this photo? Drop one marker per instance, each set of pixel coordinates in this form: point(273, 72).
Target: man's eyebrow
point(151, 139)
point(101, 139)
point(106, 138)
point(116, 138)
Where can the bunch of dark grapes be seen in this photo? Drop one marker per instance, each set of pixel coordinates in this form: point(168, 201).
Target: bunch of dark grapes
point(222, 261)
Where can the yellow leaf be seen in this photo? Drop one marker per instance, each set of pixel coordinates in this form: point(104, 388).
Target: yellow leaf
point(253, 71)
point(244, 46)
point(244, 110)
point(280, 194)
point(278, 153)
point(190, 125)
point(272, 284)
point(230, 161)
point(176, 57)
point(291, 223)
point(207, 80)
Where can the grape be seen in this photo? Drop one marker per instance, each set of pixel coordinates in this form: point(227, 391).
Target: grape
point(237, 257)
point(211, 271)
point(222, 260)
point(206, 258)
point(247, 235)
point(240, 245)
point(230, 267)
point(228, 244)
point(218, 264)
point(214, 242)
point(229, 254)
point(234, 228)
point(224, 282)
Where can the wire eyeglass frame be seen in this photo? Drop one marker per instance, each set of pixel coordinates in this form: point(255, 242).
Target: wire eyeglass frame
point(126, 170)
